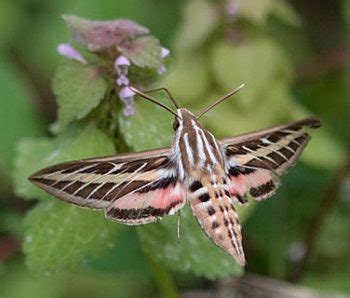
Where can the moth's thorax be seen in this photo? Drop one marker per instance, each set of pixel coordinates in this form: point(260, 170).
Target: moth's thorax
point(195, 147)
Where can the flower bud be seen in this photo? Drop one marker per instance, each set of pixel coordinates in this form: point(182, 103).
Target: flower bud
point(121, 65)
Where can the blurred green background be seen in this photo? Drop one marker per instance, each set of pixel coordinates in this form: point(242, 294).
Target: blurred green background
point(293, 57)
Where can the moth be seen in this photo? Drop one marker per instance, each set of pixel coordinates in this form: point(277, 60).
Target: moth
point(211, 175)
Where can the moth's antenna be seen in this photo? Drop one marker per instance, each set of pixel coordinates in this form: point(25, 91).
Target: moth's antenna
point(221, 99)
point(152, 99)
point(175, 102)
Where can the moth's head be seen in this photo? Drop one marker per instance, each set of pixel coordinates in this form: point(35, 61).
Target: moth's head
point(185, 118)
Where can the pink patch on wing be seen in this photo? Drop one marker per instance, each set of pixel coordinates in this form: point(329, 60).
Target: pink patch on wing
point(172, 198)
point(242, 183)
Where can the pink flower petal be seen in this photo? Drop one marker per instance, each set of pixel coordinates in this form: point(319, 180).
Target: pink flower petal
point(68, 51)
point(164, 52)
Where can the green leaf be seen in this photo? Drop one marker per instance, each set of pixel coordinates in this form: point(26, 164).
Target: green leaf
point(11, 16)
point(255, 11)
point(281, 220)
point(200, 19)
point(18, 117)
point(149, 128)
point(79, 89)
point(144, 51)
point(335, 230)
point(258, 11)
point(335, 282)
point(60, 236)
point(76, 142)
point(188, 80)
point(31, 156)
point(318, 150)
point(276, 106)
point(194, 253)
point(128, 256)
point(285, 11)
point(259, 63)
point(17, 282)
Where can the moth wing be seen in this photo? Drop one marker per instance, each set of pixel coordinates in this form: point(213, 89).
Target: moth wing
point(255, 161)
point(143, 180)
point(144, 206)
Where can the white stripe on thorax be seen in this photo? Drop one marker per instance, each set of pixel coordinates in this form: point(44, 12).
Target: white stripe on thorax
point(199, 143)
point(178, 151)
point(188, 149)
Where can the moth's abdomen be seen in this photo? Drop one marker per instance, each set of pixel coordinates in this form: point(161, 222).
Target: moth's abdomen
point(212, 206)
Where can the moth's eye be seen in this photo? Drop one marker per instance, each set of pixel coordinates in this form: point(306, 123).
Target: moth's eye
point(176, 124)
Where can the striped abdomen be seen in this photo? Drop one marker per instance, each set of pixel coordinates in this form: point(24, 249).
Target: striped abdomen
point(211, 203)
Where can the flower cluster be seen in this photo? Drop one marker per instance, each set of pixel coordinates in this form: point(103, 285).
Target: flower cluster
point(124, 43)
point(126, 95)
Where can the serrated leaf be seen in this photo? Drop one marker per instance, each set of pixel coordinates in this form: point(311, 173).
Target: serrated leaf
point(76, 142)
point(60, 236)
point(194, 253)
point(144, 51)
point(79, 88)
point(30, 157)
point(200, 19)
point(101, 34)
point(258, 63)
point(149, 128)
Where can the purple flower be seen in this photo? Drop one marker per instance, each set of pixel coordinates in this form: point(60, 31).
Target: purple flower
point(129, 110)
point(122, 80)
point(127, 97)
point(164, 52)
point(126, 93)
point(232, 9)
point(68, 51)
point(121, 65)
point(161, 69)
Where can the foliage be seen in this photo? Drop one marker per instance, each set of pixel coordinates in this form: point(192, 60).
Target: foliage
point(217, 45)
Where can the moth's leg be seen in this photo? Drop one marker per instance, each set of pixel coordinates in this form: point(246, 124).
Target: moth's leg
point(178, 225)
